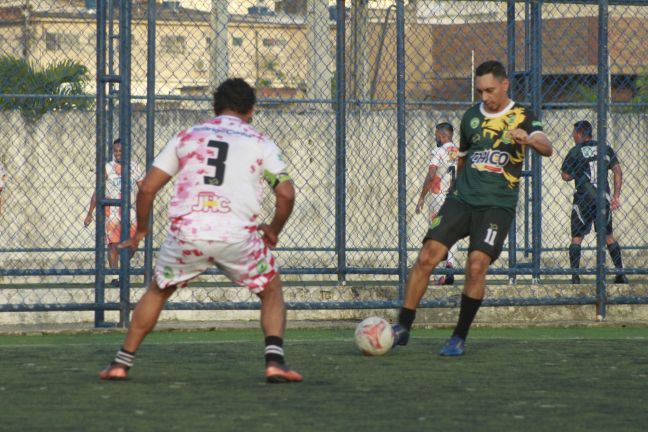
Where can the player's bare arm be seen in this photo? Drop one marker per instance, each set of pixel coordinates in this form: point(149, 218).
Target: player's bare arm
point(427, 186)
point(154, 181)
point(91, 208)
point(284, 202)
point(538, 141)
point(565, 176)
point(461, 160)
point(618, 182)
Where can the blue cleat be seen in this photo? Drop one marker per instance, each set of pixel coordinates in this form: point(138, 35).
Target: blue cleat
point(401, 335)
point(453, 347)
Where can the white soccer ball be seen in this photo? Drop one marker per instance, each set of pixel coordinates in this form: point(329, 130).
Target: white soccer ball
point(374, 336)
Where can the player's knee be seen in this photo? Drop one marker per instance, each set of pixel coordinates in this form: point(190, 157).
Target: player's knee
point(429, 257)
point(425, 263)
point(477, 266)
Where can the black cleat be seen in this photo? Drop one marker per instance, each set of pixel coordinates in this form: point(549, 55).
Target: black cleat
point(401, 335)
point(621, 279)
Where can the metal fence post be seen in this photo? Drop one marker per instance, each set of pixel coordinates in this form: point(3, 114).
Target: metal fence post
point(510, 51)
point(110, 64)
point(100, 251)
point(536, 167)
point(527, 92)
point(150, 130)
point(402, 156)
point(125, 138)
point(601, 180)
point(340, 143)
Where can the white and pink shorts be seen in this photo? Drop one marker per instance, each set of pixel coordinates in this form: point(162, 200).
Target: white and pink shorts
point(248, 262)
point(434, 203)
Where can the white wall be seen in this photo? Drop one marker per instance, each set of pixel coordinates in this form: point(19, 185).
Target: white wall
point(52, 175)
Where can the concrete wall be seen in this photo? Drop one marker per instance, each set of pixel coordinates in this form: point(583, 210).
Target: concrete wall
point(52, 173)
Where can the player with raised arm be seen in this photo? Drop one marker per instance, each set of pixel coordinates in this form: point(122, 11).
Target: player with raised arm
point(494, 134)
point(438, 182)
point(219, 167)
point(580, 165)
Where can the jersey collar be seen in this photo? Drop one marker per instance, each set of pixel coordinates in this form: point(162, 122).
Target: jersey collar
point(495, 115)
point(230, 117)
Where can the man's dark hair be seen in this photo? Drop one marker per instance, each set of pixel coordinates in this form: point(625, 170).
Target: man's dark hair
point(234, 94)
point(491, 67)
point(117, 141)
point(584, 127)
point(445, 127)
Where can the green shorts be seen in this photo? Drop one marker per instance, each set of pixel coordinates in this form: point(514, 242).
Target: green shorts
point(486, 226)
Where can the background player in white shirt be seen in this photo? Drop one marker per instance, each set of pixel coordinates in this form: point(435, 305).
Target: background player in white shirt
point(220, 167)
point(113, 172)
point(438, 182)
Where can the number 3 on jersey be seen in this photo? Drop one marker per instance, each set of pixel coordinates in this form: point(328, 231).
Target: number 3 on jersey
point(218, 162)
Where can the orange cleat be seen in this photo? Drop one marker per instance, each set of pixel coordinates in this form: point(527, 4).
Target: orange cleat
point(114, 371)
point(276, 373)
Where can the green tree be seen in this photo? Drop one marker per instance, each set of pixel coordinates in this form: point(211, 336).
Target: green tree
point(590, 94)
point(270, 71)
point(642, 88)
point(57, 87)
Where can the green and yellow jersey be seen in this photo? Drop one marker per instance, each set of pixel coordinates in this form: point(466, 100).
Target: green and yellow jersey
point(492, 162)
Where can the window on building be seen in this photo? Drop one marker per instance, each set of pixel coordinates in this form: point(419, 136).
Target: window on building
point(271, 42)
point(237, 41)
point(61, 41)
point(172, 44)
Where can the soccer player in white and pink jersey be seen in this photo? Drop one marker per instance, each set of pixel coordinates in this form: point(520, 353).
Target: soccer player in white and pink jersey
point(220, 167)
point(113, 171)
point(438, 182)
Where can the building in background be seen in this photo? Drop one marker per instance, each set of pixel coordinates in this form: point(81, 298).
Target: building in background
point(287, 47)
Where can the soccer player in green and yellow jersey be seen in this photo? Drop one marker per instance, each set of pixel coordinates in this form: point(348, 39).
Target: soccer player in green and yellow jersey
point(494, 134)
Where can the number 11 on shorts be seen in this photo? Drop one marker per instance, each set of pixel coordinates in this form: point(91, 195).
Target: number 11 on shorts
point(491, 233)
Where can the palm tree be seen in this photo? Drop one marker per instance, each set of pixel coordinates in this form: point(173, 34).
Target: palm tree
point(57, 87)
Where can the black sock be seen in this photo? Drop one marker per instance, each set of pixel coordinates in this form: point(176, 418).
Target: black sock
point(467, 312)
point(274, 350)
point(615, 254)
point(406, 317)
point(124, 358)
point(574, 255)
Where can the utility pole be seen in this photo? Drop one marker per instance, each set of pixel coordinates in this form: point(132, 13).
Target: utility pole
point(26, 37)
point(219, 51)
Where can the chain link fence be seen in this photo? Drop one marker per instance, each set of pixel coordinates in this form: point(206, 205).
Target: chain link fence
point(343, 246)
